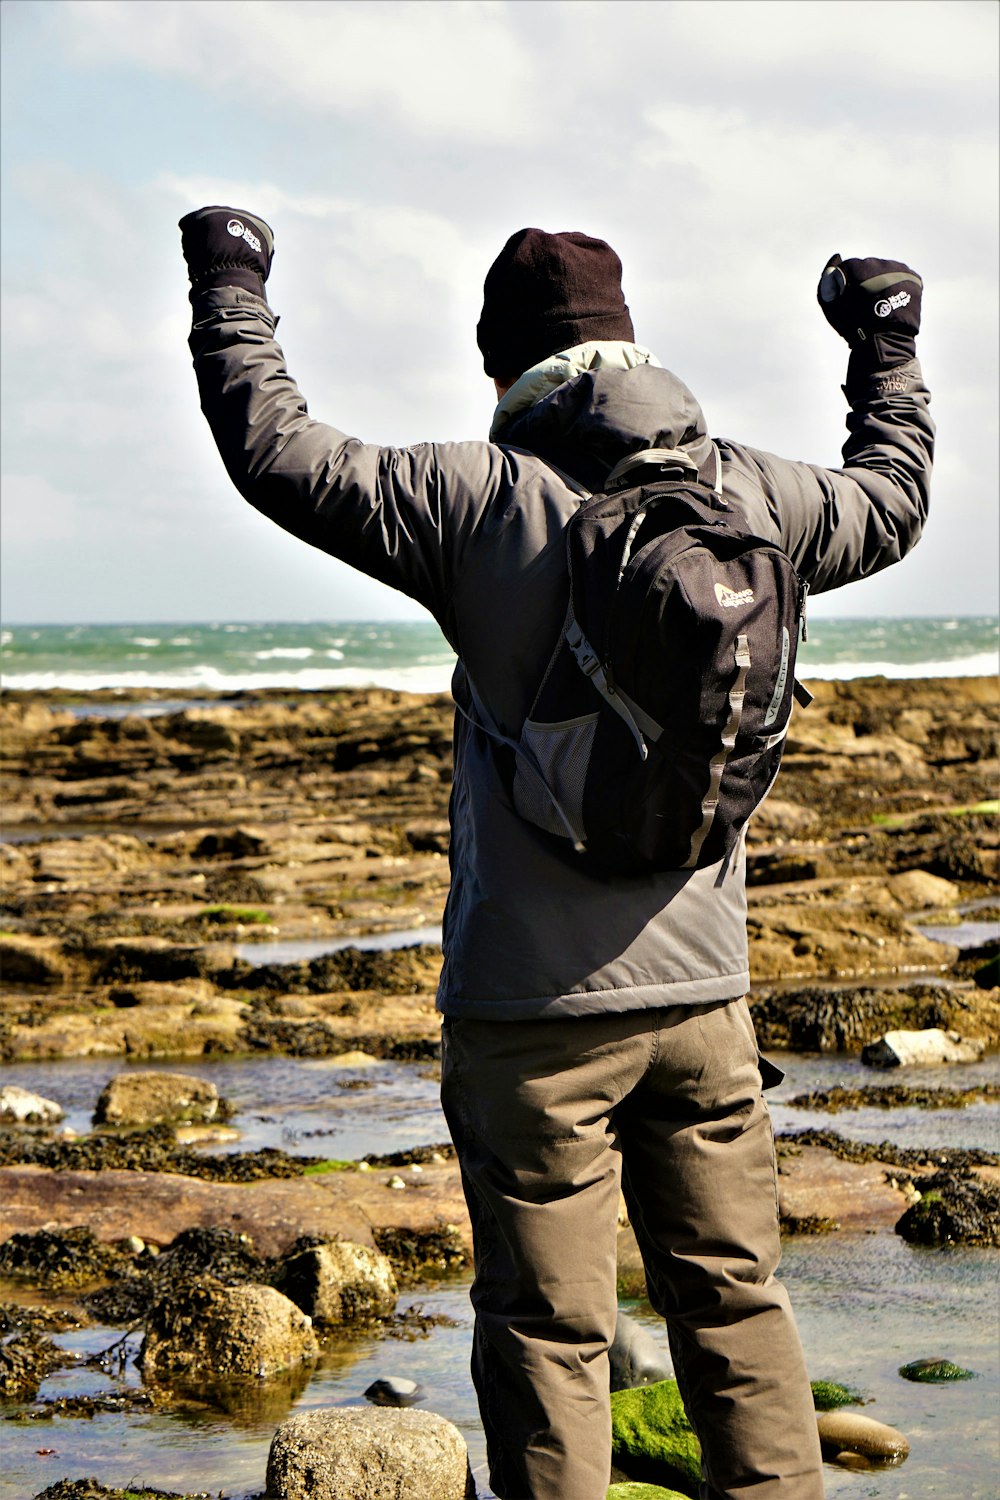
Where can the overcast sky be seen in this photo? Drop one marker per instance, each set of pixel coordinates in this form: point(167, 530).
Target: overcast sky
point(724, 149)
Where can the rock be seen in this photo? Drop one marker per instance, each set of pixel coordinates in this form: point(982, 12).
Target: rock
point(21, 1107)
point(652, 1438)
point(848, 1432)
point(237, 843)
point(204, 1135)
point(360, 1453)
point(829, 1394)
point(918, 890)
point(934, 1371)
point(207, 1331)
point(156, 1099)
point(921, 1049)
point(953, 1210)
point(25, 1361)
point(31, 960)
point(340, 1283)
point(630, 1490)
point(353, 1059)
point(59, 1258)
point(636, 1358)
point(395, 1390)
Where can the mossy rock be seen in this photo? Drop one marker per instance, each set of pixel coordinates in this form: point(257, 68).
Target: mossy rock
point(933, 1371)
point(652, 1439)
point(828, 1395)
point(631, 1490)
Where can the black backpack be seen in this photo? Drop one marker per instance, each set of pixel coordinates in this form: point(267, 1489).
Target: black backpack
point(659, 723)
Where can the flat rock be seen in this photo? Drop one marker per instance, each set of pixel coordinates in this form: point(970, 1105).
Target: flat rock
point(276, 1212)
point(921, 1049)
point(366, 1453)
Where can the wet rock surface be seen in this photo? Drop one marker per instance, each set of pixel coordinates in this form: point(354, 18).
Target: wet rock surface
point(203, 1329)
point(953, 1209)
point(339, 1283)
point(846, 1432)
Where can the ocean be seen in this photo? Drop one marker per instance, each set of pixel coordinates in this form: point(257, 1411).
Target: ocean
point(413, 656)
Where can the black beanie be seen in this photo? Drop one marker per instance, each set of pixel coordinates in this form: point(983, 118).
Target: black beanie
point(548, 292)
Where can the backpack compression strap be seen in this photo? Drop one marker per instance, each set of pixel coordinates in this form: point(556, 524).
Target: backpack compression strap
point(717, 765)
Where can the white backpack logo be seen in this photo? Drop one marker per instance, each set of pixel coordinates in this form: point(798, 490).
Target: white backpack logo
point(731, 598)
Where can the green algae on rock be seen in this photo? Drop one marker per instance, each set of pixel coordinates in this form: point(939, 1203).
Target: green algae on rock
point(630, 1490)
point(829, 1394)
point(652, 1439)
point(934, 1371)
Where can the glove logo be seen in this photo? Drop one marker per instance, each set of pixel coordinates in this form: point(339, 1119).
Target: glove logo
point(732, 598)
point(240, 231)
point(889, 304)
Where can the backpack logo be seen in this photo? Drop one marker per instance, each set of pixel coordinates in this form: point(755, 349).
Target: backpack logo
point(733, 598)
point(889, 304)
point(240, 231)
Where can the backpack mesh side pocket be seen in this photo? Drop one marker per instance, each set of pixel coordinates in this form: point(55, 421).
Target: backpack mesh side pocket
point(554, 756)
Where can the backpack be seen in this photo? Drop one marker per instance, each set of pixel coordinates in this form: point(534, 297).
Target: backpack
point(659, 723)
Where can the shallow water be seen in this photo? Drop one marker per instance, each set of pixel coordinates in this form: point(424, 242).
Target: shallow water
point(865, 1304)
point(314, 1107)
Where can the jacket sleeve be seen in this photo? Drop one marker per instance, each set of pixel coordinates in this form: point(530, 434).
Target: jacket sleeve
point(401, 515)
point(839, 525)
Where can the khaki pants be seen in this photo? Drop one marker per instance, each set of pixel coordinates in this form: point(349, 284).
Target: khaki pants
point(549, 1118)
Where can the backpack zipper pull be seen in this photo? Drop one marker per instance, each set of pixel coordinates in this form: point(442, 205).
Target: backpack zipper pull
point(803, 592)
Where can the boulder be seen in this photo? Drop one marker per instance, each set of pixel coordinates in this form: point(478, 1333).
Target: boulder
point(952, 1209)
point(921, 1049)
point(365, 1453)
point(340, 1283)
point(846, 1432)
point(919, 890)
point(652, 1439)
point(636, 1358)
point(21, 1107)
point(207, 1331)
point(156, 1099)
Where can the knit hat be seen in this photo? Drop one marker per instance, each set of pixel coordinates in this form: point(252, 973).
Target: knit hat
point(549, 292)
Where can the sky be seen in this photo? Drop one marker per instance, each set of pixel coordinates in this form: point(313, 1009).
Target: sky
point(725, 148)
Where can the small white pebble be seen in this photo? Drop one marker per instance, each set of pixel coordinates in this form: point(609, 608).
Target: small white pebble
point(416, 1167)
point(396, 1182)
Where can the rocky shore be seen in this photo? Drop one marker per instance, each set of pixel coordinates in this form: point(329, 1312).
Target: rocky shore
point(143, 848)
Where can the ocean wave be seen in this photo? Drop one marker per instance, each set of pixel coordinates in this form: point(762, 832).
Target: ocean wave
point(205, 678)
point(982, 664)
point(289, 653)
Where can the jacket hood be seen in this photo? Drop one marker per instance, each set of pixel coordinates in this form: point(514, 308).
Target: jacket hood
point(590, 423)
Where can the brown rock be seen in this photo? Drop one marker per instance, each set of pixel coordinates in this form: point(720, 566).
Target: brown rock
point(156, 1099)
point(205, 1329)
point(359, 1453)
point(340, 1283)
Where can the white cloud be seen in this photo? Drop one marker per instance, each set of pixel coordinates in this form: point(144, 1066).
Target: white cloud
point(436, 68)
point(35, 511)
point(909, 41)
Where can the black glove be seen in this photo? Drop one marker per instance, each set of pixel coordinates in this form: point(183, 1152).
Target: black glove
point(874, 305)
point(226, 247)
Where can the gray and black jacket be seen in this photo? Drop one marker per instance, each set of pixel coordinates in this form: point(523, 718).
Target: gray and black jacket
point(474, 532)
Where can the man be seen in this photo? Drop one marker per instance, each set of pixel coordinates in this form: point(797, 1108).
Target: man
point(595, 1028)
